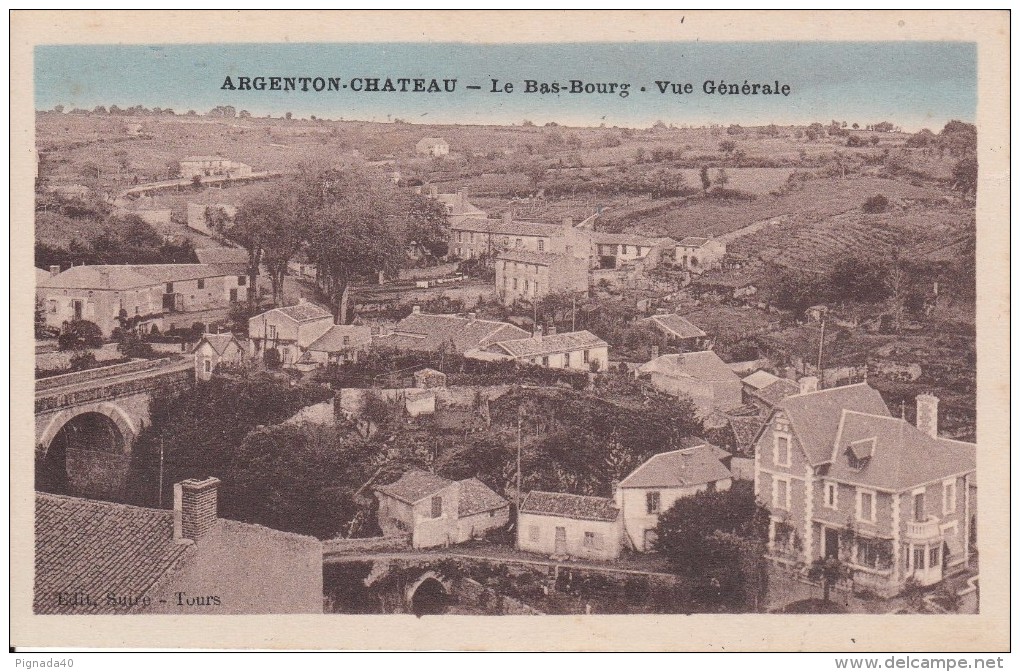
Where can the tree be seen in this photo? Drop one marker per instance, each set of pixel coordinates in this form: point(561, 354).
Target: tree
point(722, 179)
point(727, 147)
point(280, 221)
point(80, 335)
point(830, 571)
point(814, 131)
point(706, 181)
point(734, 129)
point(247, 232)
point(876, 204)
point(965, 175)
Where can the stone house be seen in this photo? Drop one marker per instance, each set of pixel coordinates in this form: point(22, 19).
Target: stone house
point(678, 331)
point(663, 479)
point(458, 207)
point(212, 166)
point(447, 332)
point(134, 560)
point(214, 349)
point(698, 255)
point(341, 344)
point(290, 330)
point(563, 525)
point(843, 478)
point(99, 294)
point(432, 147)
point(703, 376)
point(528, 276)
point(616, 250)
point(472, 237)
point(435, 511)
point(764, 390)
point(579, 350)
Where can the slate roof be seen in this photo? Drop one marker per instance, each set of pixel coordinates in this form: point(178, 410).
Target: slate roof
point(815, 416)
point(422, 331)
point(674, 324)
point(537, 258)
point(704, 365)
point(414, 486)
point(181, 272)
point(333, 340)
point(759, 379)
point(303, 312)
point(568, 341)
point(680, 469)
point(581, 507)
point(109, 277)
point(515, 227)
point(219, 342)
point(902, 457)
point(92, 547)
point(222, 255)
point(776, 391)
point(476, 497)
point(745, 430)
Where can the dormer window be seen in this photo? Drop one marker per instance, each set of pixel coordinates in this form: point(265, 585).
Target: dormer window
point(859, 453)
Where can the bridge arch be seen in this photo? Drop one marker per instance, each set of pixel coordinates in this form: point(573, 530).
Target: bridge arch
point(430, 594)
point(122, 421)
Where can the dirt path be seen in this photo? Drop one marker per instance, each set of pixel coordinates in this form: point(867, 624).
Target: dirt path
point(750, 228)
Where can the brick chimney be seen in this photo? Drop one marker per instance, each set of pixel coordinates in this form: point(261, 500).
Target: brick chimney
point(54, 270)
point(195, 506)
point(928, 414)
point(808, 384)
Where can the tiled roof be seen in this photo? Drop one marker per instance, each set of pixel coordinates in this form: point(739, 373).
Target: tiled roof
point(759, 379)
point(581, 507)
point(901, 456)
point(222, 255)
point(414, 486)
point(182, 272)
point(459, 207)
point(776, 391)
point(569, 341)
point(693, 241)
point(815, 416)
point(112, 277)
point(704, 365)
point(604, 238)
point(476, 497)
point(538, 258)
point(303, 312)
point(674, 324)
point(92, 547)
point(219, 342)
point(680, 469)
point(745, 430)
point(422, 331)
point(514, 227)
point(333, 340)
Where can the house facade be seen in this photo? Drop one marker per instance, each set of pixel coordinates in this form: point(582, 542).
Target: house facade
point(709, 382)
point(435, 511)
point(213, 350)
point(579, 350)
point(616, 250)
point(698, 255)
point(290, 330)
point(472, 237)
point(528, 276)
point(843, 478)
point(663, 479)
point(447, 332)
point(432, 147)
point(564, 525)
point(678, 331)
point(188, 560)
point(341, 344)
point(212, 166)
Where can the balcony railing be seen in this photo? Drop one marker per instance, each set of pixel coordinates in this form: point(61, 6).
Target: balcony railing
point(923, 530)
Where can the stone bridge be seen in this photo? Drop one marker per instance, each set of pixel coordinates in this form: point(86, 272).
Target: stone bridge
point(86, 422)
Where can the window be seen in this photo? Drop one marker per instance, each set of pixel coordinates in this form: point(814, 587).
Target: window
point(781, 493)
point(201, 283)
point(949, 496)
point(437, 507)
point(51, 305)
point(169, 288)
point(919, 510)
point(545, 360)
point(652, 502)
point(472, 236)
point(534, 533)
point(233, 295)
point(207, 365)
point(535, 293)
point(527, 286)
point(919, 557)
point(623, 249)
point(506, 241)
point(933, 556)
point(831, 496)
point(866, 506)
point(515, 283)
point(242, 280)
point(541, 245)
point(781, 452)
point(347, 340)
point(519, 242)
point(587, 356)
point(589, 539)
point(271, 334)
point(874, 553)
point(566, 359)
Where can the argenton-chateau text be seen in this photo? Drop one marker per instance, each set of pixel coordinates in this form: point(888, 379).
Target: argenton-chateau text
point(357, 84)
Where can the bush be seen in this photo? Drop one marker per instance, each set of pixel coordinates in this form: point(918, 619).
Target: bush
point(82, 360)
point(876, 204)
point(135, 348)
point(271, 358)
point(80, 335)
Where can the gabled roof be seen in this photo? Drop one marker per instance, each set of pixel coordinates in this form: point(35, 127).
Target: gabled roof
point(704, 365)
point(182, 272)
point(301, 312)
point(41, 275)
point(476, 497)
point(693, 241)
point(636, 239)
point(580, 507)
point(674, 324)
point(92, 547)
point(745, 430)
point(815, 416)
point(333, 340)
point(111, 277)
point(680, 469)
point(219, 342)
point(422, 331)
point(776, 391)
point(432, 141)
point(459, 206)
point(537, 258)
point(414, 486)
point(901, 456)
point(759, 379)
point(569, 341)
point(222, 255)
point(500, 226)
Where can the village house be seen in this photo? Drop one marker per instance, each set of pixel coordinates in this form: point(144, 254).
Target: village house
point(435, 511)
point(703, 376)
point(528, 276)
point(579, 350)
point(212, 166)
point(678, 332)
point(341, 344)
point(663, 479)
point(473, 237)
point(447, 333)
point(435, 147)
point(133, 560)
point(562, 525)
point(214, 349)
point(698, 255)
point(289, 330)
point(104, 295)
point(616, 250)
point(764, 390)
point(842, 478)
point(458, 207)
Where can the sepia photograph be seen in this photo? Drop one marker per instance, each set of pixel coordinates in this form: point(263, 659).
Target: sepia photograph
point(419, 329)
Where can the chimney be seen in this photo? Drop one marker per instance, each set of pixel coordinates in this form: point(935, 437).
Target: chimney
point(416, 309)
point(655, 351)
point(551, 331)
point(617, 494)
point(538, 332)
point(195, 507)
point(508, 217)
point(433, 191)
point(808, 384)
point(461, 197)
point(54, 270)
point(568, 223)
point(928, 414)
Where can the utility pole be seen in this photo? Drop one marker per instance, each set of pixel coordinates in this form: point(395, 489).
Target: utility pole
point(573, 314)
point(161, 471)
point(821, 343)
point(518, 462)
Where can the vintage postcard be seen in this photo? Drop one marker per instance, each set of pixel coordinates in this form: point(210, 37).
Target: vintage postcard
point(510, 330)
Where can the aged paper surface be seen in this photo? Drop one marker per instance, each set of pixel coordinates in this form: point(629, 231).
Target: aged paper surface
point(773, 112)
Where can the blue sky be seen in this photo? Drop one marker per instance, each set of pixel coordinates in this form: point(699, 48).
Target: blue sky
point(912, 84)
